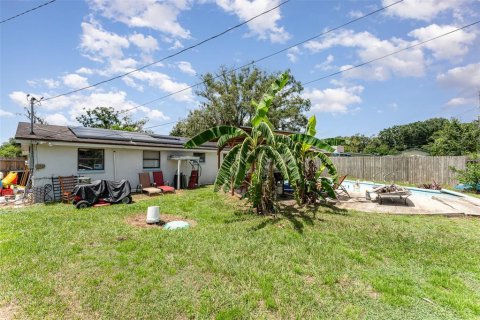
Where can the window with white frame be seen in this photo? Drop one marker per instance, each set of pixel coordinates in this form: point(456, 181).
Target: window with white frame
point(91, 159)
point(200, 155)
point(151, 159)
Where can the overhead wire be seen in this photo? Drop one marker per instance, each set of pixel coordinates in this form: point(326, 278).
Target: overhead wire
point(171, 55)
point(364, 63)
point(268, 56)
point(255, 61)
point(25, 12)
point(379, 58)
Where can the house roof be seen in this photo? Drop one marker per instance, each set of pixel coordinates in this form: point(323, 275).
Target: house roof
point(46, 132)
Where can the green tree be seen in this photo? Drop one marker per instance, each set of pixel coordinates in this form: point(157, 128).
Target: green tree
point(10, 149)
point(377, 147)
point(471, 175)
point(226, 99)
point(456, 139)
point(109, 118)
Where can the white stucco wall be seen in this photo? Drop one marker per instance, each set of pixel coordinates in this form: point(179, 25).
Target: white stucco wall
point(61, 160)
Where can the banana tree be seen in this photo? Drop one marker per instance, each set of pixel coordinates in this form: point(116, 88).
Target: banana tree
point(311, 162)
point(252, 162)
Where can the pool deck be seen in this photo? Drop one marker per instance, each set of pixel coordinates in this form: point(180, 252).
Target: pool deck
point(416, 205)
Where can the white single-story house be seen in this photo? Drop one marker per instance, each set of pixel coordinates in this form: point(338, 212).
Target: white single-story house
point(110, 154)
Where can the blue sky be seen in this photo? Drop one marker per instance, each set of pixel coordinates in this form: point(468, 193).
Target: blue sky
point(70, 44)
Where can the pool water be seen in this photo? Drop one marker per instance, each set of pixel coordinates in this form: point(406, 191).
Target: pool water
point(362, 186)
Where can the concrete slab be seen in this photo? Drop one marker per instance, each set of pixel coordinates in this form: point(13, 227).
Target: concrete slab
point(416, 205)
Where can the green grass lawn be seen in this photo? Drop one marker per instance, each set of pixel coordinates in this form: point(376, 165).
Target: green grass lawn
point(57, 262)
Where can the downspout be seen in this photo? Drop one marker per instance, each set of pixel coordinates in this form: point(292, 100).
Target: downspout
point(114, 165)
point(178, 174)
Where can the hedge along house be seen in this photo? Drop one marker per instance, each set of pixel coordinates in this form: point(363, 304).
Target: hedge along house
point(110, 154)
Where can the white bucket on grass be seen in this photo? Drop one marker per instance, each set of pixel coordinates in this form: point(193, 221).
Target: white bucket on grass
point(153, 214)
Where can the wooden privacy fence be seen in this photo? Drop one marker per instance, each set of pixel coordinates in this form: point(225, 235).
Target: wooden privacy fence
point(12, 164)
point(401, 169)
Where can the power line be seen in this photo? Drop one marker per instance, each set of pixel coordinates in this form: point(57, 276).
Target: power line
point(365, 63)
point(359, 65)
point(267, 56)
point(391, 54)
point(379, 58)
point(170, 56)
point(25, 12)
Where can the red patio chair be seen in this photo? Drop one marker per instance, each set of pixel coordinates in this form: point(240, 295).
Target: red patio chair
point(160, 184)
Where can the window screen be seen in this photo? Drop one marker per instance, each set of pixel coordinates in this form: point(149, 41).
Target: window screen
point(151, 159)
point(91, 159)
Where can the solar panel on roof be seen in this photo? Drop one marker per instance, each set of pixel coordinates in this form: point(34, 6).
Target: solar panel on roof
point(105, 134)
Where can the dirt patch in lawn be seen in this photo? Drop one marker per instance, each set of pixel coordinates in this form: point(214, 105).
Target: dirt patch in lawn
point(138, 221)
point(8, 311)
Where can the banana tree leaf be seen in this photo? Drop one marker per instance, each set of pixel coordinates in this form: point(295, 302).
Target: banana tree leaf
point(291, 162)
point(224, 173)
point(327, 162)
point(264, 105)
point(210, 134)
point(266, 132)
point(242, 161)
point(311, 126)
point(307, 139)
point(278, 160)
point(227, 137)
point(327, 187)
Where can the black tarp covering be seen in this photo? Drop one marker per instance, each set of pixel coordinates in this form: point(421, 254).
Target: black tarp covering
point(110, 191)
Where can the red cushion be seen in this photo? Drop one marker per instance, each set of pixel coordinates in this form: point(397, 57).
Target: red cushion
point(166, 188)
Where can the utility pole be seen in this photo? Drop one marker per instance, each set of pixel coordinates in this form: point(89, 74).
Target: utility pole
point(32, 100)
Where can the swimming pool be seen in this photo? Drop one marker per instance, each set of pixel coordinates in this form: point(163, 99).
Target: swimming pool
point(362, 186)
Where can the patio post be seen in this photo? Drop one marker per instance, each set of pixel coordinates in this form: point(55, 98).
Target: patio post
point(178, 174)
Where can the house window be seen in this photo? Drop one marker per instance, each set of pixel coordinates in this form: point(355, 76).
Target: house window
point(151, 159)
point(91, 159)
point(201, 156)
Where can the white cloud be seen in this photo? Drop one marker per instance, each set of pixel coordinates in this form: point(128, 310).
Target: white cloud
point(326, 65)
point(186, 67)
point(461, 101)
point(176, 45)
point(4, 113)
point(409, 63)
point(158, 15)
point(333, 100)
point(49, 83)
point(421, 10)
point(464, 78)
point(157, 115)
point(84, 70)
point(57, 119)
point(97, 44)
point(165, 83)
point(293, 54)
point(266, 26)
point(147, 44)
point(355, 14)
point(19, 98)
point(75, 81)
point(451, 47)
